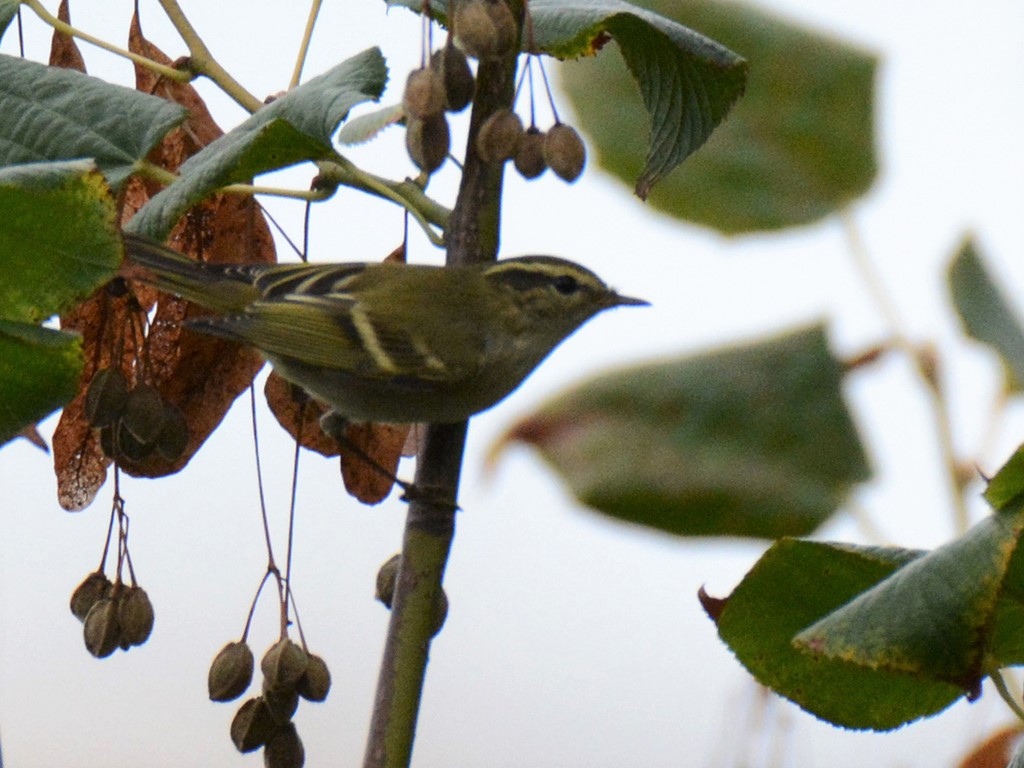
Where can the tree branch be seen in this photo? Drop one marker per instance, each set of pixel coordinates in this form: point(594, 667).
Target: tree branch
point(472, 235)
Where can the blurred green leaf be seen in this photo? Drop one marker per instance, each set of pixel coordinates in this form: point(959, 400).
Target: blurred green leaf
point(58, 237)
point(793, 585)
point(292, 129)
point(39, 372)
point(985, 313)
point(687, 82)
point(65, 115)
point(8, 10)
point(797, 147)
point(754, 440)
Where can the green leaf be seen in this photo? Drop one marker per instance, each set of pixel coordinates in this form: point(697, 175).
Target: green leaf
point(931, 618)
point(753, 440)
point(364, 127)
point(59, 239)
point(688, 82)
point(39, 372)
point(799, 146)
point(985, 313)
point(1006, 640)
point(294, 128)
point(65, 115)
point(1008, 483)
point(8, 10)
point(793, 585)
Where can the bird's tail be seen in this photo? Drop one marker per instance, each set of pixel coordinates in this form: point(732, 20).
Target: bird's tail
point(223, 288)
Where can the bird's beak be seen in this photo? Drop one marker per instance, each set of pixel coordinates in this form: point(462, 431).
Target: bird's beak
point(626, 301)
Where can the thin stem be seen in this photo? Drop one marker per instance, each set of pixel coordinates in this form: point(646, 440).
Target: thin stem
point(202, 61)
point(291, 506)
point(259, 480)
point(1004, 693)
point(426, 211)
point(154, 172)
point(252, 605)
point(307, 36)
point(925, 362)
point(21, 36)
point(547, 88)
point(170, 73)
point(310, 195)
point(339, 172)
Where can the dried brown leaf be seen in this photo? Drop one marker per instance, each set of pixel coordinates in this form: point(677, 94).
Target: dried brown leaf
point(383, 444)
point(300, 415)
point(397, 256)
point(63, 51)
point(198, 130)
point(996, 750)
point(199, 374)
point(110, 323)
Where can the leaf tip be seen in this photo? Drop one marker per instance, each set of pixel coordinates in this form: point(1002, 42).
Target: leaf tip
point(713, 606)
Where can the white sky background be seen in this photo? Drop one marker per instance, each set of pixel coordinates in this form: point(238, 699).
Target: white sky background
point(572, 640)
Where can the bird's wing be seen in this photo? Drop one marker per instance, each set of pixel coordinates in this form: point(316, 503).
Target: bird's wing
point(332, 331)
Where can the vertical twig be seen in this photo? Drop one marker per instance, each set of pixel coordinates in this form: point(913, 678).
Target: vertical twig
point(472, 235)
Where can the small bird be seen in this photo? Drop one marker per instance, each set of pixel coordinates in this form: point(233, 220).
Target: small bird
point(390, 342)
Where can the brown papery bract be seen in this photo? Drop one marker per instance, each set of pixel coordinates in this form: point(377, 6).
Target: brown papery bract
point(199, 375)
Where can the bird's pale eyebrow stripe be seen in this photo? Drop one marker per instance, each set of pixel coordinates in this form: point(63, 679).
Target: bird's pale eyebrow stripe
point(370, 340)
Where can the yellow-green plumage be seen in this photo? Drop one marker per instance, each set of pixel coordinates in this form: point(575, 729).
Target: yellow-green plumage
point(390, 342)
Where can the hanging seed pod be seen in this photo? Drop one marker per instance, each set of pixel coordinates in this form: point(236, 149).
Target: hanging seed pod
point(427, 142)
point(564, 152)
point(106, 397)
point(127, 446)
point(315, 683)
point(231, 672)
point(282, 702)
point(284, 749)
point(108, 441)
point(101, 632)
point(387, 577)
point(485, 29)
point(94, 588)
point(440, 612)
point(529, 157)
point(134, 616)
point(424, 95)
point(143, 414)
point(283, 664)
point(499, 136)
point(253, 725)
point(459, 84)
point(173, 437)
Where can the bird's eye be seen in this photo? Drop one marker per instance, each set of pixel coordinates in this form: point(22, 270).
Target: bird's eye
point(566, 284)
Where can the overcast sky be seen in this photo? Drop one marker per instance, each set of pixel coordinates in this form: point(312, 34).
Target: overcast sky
point(572, 640)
